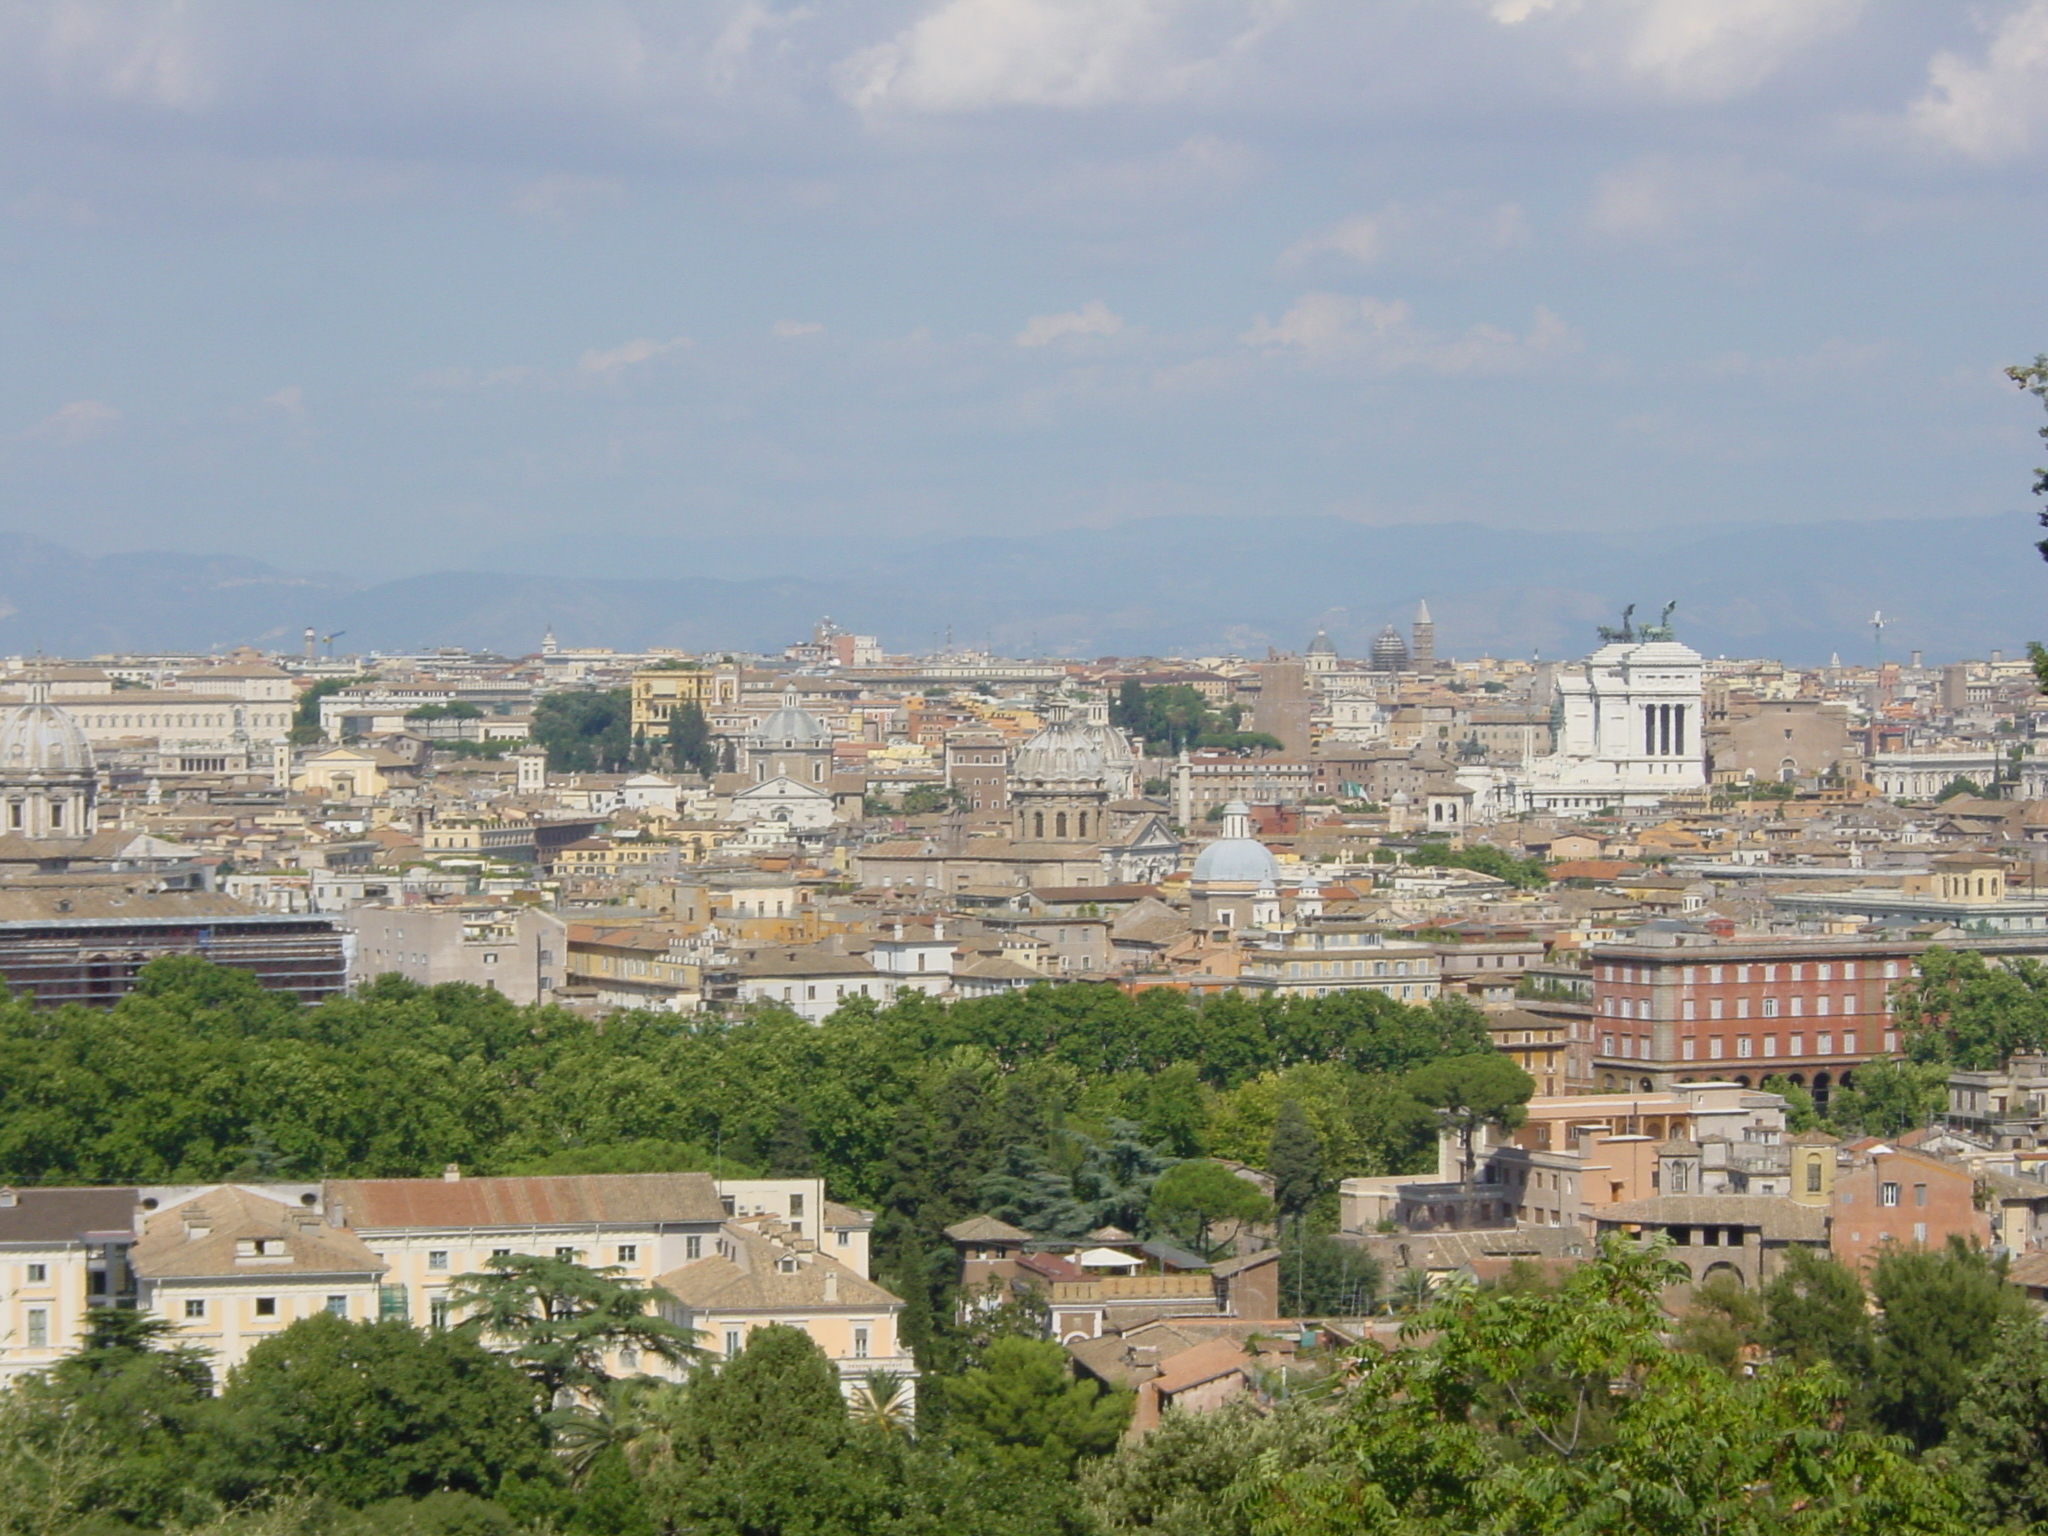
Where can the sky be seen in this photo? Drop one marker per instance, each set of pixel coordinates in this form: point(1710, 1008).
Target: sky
point(398, 287)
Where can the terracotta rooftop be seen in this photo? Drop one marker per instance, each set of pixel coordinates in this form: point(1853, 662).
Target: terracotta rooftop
point(559, 1200)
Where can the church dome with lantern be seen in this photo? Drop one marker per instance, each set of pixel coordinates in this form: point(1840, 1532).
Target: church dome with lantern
point(48, 780)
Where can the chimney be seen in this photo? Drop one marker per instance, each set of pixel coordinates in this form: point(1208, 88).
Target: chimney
point(452, 1174)
point(938, 928)
point(831, 1287)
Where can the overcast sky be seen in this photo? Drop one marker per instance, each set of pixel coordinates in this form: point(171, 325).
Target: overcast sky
point(387, 286)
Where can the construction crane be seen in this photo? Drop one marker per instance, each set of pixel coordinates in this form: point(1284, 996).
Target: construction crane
point(329, 640)
point(1877, 624)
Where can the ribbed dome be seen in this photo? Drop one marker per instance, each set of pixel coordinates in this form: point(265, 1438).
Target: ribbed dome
point(1064, 750)
point(38, 737)
point(792, 726)
point(1236, 858)
point(1390, 651)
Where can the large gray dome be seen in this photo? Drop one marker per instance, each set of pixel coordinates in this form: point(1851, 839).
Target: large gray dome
point(38, 737)
point(1236, 858)
point(792, 726)
point(1064, 751)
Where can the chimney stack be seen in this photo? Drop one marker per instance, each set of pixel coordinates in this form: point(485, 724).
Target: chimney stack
point(452, 1174)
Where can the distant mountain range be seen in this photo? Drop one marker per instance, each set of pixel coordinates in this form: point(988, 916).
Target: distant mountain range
point(1192, 585)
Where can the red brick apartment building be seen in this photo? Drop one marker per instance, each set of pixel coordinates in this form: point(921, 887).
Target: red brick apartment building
point(1693, 1008)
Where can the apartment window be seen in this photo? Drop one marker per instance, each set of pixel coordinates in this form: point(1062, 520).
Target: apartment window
point(629, 1253)
point(1770, 1007)
point(38, 1330)
point(437, 1313)
point(1743, 1046)
point(1770, 1045)
point(566, 1255)
point(1919, 1194)
point(1798, 1006)
point(491, 958)
point(732, 1342)
point(860, 1343)
point(1813, 1175)
point(1685, 1050)
point(1820, 1005)
point(1607, 1045)
point(1891, 970)
point(796, 1204)
point(1714, 1048)
point(1797, 1047)
point(1848, 1042)
point(1742, 1007)
point(1824, 1044)
point(195, 1307)
point(1714, 1007)
point(1887, 1194)
point(38, 1274)
point(501, 1253)
point(1824, 972)
point(1689, 1009)
point(1714, 974)
point(337, 1306)
point(845, 1238)
point(693, 1247)
point(1919, 1231)
point(437, 1258)
point(266, 1306)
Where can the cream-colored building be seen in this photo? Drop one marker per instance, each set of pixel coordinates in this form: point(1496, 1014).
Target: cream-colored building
point(231, 1267)
point(62, 1252)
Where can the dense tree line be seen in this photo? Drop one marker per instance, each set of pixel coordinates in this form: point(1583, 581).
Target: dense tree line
point(1058, 1107)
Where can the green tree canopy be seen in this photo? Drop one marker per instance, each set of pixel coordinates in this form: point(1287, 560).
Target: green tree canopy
point(1192, 1199)
point(1023, 1407)
point(1938, 1317)
point(1294, 1161)
point(559, 1320)
point(367, 1411)
point(585, 731)
point(1468, 1092)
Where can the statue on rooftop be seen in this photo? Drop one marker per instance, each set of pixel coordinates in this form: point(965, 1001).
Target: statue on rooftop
point(1626, 634)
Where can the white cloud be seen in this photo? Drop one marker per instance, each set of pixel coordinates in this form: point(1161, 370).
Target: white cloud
point(790, 329)
point(971, 55)
point(1666, 197)
point(291, 400)
point(1441, 231)
point(1700, 50)
point(79, 422)
point(1360, 238)
point(1091, 319)
point(1990, 111)
point(561, 200)
point(1380, 335)
point(627, 355)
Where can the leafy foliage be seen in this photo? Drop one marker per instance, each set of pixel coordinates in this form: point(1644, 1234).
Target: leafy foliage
point(1199, 1201)
point(1939, 1315)
point(367, 1411)
point(1959, 1010)
point(1525, 874)
point(1021, 1407)
point(585, 731)
point(558, 1320)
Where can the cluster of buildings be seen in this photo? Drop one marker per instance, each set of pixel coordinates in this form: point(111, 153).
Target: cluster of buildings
point(233, 1264)
point(1740, 862)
